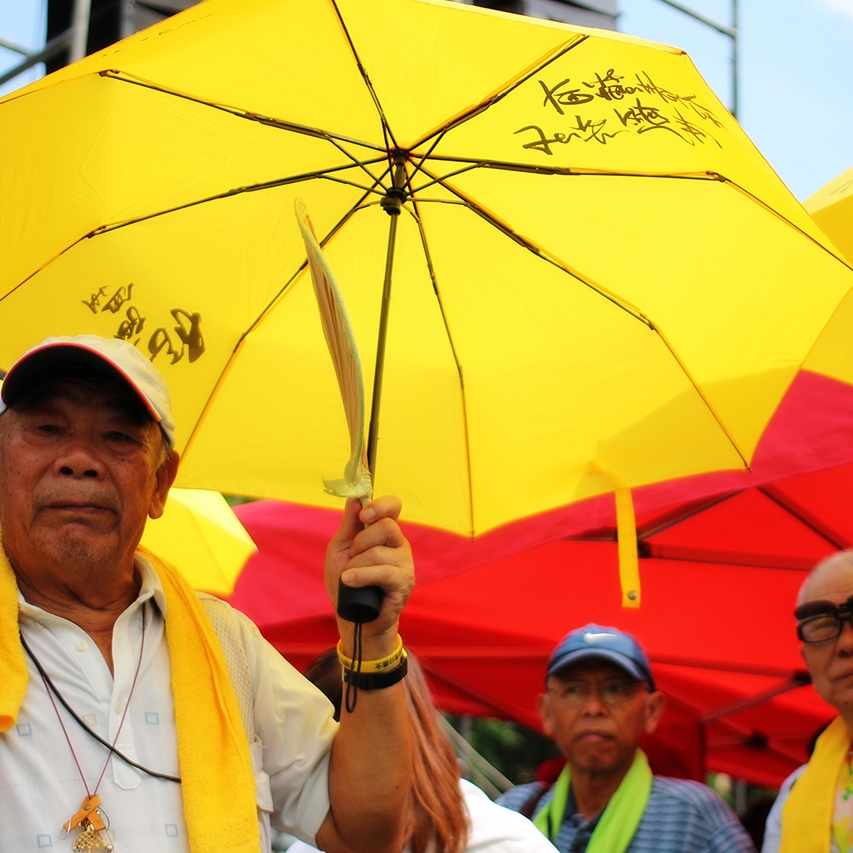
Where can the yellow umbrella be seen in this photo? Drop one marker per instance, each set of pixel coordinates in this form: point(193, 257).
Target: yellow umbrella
point(199, 533)
point(832, 208)
point(598, 281)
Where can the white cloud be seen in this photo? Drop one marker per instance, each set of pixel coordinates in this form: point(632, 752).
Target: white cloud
point(838, 7)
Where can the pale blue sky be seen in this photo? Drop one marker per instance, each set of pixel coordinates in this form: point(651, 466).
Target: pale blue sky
point(795, 81)
point(796, 75)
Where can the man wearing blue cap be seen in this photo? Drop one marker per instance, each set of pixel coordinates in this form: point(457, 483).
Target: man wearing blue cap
point(600, 699)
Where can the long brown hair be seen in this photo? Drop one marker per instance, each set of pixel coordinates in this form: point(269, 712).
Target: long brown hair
point(437, 820)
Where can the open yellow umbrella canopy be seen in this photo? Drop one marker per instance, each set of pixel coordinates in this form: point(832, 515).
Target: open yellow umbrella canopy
point(595, 280)
point(200, 534)
point(832, 208)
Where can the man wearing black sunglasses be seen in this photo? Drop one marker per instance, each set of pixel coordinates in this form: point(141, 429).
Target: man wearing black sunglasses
point(814, 810)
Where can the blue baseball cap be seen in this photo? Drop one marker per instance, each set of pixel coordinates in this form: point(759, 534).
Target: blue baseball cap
point(602, 642)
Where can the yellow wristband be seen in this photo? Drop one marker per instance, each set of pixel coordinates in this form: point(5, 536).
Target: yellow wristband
point(380, 665)
point(375, 680)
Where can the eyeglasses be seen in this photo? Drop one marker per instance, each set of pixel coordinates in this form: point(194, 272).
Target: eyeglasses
point(823, 620)
point(614, 692)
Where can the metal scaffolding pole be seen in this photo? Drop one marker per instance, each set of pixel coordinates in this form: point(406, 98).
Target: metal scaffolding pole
point(79, 30)
point(53, 47)
point(729, 31)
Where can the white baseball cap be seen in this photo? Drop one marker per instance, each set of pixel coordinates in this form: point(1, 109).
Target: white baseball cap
point(121, 358)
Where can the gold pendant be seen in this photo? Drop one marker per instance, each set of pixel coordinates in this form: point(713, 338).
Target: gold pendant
point(90, 821)
point(90, 839)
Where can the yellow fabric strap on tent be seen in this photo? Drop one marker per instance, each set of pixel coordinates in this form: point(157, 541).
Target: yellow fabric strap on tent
point(217, 781)
point(626, 535)
point(807, 815)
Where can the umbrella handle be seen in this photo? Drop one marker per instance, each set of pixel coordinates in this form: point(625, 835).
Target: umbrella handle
point(359, 604)
point(362, 603)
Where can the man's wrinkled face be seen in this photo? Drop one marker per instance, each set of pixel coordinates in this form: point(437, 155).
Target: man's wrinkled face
point(597, 715)
point(79, 474)
point(830, 662)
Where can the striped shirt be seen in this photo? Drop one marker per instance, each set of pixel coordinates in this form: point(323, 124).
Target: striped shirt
point(680, 817)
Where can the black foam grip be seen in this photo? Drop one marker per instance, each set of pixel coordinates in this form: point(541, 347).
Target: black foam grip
point(359, 604)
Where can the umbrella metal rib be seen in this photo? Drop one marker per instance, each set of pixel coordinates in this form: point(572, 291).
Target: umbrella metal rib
point(394, 197)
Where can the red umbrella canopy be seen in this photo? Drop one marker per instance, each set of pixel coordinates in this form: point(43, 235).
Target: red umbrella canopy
point(720, 575)
point(718, 634)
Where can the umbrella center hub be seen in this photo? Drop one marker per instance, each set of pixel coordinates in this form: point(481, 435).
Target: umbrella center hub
point(393, 200)
point(395, 195)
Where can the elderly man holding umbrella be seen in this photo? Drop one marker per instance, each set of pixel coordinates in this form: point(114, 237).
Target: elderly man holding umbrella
point(129, 719)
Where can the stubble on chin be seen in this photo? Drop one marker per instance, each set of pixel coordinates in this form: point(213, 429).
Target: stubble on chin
point(76, 552)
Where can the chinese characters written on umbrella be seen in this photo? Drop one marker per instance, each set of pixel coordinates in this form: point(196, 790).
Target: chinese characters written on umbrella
point(183, 340)
point(635, 107)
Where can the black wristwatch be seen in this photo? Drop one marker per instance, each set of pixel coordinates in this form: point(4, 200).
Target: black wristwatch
point(377, 680)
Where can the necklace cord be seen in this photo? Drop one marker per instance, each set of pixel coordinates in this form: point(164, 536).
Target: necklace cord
point(65, 732)
point(111, 747)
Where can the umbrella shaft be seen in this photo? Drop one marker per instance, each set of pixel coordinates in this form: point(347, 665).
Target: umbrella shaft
point(373, 431)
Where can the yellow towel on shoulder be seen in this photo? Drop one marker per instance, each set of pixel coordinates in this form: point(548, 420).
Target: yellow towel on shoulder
point(217, 780)
point(13, 664)
point(807, 814)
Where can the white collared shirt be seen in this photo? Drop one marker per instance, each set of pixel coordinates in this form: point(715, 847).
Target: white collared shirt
point(40, 784)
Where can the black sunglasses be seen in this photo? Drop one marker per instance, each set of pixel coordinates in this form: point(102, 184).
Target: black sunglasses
point(822, 620)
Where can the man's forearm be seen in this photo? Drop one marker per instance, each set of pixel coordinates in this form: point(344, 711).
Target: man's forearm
point(370, 775)
point(371, 762)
